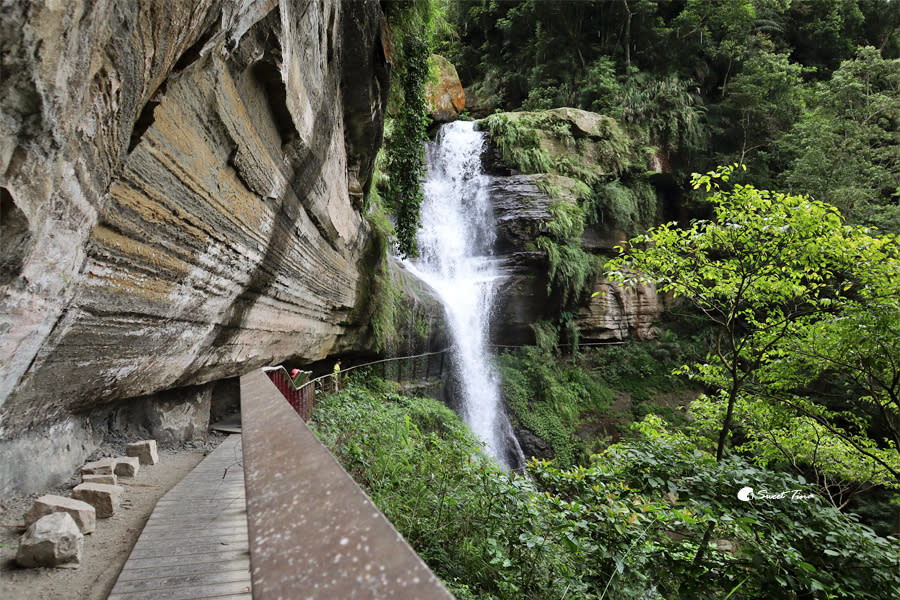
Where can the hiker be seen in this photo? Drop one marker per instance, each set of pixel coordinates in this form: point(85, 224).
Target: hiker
point(337, 375)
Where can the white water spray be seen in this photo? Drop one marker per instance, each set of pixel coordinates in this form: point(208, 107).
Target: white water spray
point(454, 246)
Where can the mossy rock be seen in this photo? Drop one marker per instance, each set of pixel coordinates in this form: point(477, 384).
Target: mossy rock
point(566, 141)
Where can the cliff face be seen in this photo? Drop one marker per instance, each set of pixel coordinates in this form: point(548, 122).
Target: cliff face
point(181, 185)
point(595, 148)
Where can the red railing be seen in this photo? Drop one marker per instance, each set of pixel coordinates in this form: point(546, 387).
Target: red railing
point(400, 369)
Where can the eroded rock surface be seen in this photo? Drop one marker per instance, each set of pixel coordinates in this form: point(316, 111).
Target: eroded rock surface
point(180, 186)
point(522, 210)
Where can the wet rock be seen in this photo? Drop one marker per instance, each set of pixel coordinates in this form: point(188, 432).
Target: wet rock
point(84, 515)
point(51, 541)
point(532, 445)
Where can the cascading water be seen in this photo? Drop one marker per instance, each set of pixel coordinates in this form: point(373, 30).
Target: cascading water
point(454, 245)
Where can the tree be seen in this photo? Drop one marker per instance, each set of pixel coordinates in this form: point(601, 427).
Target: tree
point(768, 267)
point(846, 149)
point(856, 347)
point(764, 99)
point(800, 303)
point(764, 261)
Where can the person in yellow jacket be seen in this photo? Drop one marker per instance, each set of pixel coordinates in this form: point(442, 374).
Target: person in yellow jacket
point(337, 375)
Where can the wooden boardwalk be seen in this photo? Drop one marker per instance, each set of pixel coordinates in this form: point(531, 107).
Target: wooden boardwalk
point(195, 543)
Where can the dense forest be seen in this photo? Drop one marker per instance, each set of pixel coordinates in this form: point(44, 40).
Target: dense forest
point(760, 453)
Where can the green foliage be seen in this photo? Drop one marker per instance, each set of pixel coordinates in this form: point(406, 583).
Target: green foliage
point(646, 506)
point(846, 149)
point(570, 267)
point(765, 98)
point(413, 27)
point(552, 397)
point(627, 527)
point(786, 284)
point(629, 207)
point(667, 109)
point(481, 530)
point(601, 90)
point(644, 370)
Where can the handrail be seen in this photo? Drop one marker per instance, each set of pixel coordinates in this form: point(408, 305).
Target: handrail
point(302, 398)
point(313, 532)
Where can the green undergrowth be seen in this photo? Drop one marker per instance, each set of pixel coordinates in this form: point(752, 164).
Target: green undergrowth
point(476, 526)
point(568, 401)
point(626, 526)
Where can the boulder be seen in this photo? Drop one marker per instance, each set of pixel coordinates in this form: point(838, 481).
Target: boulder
point(108, 479)
point(84, 515)
point(52, 541)
point(104, 498)
point(104, 466)
point(145, 451)
point(446, 97)
point(127, 466)
point(532, 445)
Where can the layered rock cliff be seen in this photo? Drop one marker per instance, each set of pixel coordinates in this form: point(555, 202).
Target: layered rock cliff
point(181, 191)
point(586, 161)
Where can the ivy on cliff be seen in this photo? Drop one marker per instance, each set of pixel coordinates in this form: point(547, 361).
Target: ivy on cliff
point(412, 24)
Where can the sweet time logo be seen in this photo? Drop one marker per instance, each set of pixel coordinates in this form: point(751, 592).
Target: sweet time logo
point(746, 494)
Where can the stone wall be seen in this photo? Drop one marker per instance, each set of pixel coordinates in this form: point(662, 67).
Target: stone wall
point(181, 184)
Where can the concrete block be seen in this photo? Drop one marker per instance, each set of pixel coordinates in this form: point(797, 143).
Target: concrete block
point(108, 479)
point(104, 498)
point(145, 450)
point(53, 540)
point(84, 515)
point(127, 466)
point(104, 466)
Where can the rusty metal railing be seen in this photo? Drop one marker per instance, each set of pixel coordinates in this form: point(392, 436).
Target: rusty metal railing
point(403, 368)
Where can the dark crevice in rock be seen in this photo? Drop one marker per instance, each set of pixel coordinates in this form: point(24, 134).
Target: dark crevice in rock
point(194, 53)
point(15, 238)
point(145, 117)
point(269, 77)
point(329, 37)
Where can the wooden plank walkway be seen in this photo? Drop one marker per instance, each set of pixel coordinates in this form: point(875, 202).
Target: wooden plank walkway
point(195, 543)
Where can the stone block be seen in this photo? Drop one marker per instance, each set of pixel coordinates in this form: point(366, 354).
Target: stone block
point(145, 450)
point(104, 466)
point(104, 498)
point(127, 466)
point(108, 479)
point(84, 515)
point(53, 540)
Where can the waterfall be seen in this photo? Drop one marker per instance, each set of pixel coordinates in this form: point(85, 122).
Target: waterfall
point(455, 243)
